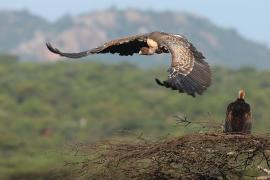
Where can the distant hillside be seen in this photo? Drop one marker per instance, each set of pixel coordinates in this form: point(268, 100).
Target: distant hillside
point(18, 27)
point(24, 34)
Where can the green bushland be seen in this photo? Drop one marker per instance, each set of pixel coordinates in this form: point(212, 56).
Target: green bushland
point(45, 106)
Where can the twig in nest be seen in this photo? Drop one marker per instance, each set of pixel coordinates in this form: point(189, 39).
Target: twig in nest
point(267, 171)
point(182, 119)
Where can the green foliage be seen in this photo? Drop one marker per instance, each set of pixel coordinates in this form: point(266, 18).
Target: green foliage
point(44, 106)
point(8, 59)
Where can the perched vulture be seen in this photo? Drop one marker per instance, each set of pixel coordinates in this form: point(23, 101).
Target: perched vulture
point(188, 72)
point(238, 116)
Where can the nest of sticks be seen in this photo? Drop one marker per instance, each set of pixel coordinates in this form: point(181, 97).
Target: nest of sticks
point(195, 156)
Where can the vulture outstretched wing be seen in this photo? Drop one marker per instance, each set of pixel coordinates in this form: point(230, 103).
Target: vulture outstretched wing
point(188, 73)
point(124, 47)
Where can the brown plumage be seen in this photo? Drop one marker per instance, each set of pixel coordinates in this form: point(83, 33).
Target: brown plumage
point(188, 73)
point(238, 116)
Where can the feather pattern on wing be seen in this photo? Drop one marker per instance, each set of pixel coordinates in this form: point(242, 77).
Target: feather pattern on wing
point(188, 72)
point(124, 47)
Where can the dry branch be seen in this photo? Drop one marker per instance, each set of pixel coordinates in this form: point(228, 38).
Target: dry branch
point(204, 156)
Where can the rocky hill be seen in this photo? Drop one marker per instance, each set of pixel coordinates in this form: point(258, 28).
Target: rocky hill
point(25, 34)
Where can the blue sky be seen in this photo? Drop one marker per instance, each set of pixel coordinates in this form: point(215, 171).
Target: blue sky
point(249, 17)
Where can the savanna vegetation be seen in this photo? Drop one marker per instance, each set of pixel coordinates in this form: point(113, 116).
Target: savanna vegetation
point(44, 107)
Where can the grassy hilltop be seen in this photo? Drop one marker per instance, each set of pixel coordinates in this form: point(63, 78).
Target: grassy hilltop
point(43, 107)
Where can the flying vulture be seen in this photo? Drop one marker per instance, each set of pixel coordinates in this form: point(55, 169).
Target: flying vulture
point(188, 72)
point(238, 116)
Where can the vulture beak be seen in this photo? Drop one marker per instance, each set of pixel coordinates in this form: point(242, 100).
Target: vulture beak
point(140, 52)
